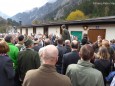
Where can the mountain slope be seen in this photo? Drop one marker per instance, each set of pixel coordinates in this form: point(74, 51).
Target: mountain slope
point(27, 17)
point(63, 10)
point(40, 14)
point(3, 15)
point(60, 9)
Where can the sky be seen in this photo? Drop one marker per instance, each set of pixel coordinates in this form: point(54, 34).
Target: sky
point(12, 7)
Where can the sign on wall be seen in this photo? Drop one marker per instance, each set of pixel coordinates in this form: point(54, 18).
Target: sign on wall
point(78, 34)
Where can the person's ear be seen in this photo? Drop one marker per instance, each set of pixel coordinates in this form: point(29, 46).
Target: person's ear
point(93, 57)
point(56, 59)
point(80, 54)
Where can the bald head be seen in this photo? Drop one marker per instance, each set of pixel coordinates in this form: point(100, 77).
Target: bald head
point(74, 44)
point(67, 42)
point(50, 54)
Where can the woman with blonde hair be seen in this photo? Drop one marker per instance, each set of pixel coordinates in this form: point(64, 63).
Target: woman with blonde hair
point(103, 53)
point(6, 66)
point(103, 62)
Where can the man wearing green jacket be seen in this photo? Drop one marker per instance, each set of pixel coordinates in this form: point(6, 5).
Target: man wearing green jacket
point(13, 53)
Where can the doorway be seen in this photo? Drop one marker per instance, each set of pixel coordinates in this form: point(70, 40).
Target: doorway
point(46, 31)
point(93, 33)
point(26, 31)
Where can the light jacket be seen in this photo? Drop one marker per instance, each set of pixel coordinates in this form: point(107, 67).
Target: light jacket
point(83, 74)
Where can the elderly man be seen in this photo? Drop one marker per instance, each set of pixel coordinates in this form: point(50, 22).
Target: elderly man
point(46, 75)
point(71, 57)
point(67, 46)
point(83, 73)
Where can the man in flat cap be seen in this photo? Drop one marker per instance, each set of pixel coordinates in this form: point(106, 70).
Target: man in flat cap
point(27, 59)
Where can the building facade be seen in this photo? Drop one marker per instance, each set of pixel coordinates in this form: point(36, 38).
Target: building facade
point(104, 27)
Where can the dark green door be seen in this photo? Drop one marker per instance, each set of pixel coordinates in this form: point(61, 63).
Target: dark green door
point(78, 34)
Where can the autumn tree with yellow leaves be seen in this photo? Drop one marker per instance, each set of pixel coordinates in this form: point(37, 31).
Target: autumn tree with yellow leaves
point(76, 15)
point(35, 22)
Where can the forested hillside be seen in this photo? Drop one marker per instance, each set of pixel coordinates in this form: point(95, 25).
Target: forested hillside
point(98, 8)
point(90, 9)
point(6, 23)
point(61, 9)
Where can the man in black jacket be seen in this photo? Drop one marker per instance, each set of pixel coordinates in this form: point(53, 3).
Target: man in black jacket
point(71, 57)
point(62, 50)
point(67, 46)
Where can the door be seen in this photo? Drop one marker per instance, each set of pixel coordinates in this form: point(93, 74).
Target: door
point(78, 34)
point(93, 33)
point(21, 30)
point(46, 31)
point(34, 30)
point(26, 31)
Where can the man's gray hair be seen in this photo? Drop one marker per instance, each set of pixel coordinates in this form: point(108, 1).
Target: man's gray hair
point(67, 42)
point(50, 52)
point(41, 54)
point(41, 51)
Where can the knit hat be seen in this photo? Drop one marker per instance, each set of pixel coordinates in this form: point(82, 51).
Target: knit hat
point(28, 42)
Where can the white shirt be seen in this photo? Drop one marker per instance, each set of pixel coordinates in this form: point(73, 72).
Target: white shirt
point(113, 82)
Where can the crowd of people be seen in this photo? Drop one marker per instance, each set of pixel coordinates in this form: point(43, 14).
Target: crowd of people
point(40, 60)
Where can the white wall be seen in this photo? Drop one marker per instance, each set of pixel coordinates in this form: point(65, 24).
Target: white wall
point(18, 30)
point(54, 30)
point(110, 33)
point(110, 30)
point(23, 31)
point(39, 30)
point(76, 28)
point(30, 30)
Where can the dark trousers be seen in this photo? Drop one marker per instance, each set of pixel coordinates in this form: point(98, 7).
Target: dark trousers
point(58, 68)
point(17, 82)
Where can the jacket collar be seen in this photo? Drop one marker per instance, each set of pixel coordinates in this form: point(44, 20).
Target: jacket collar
point(9, 43)
point(59, 45)
point(67, 46)
point(29, 49)
point(85, 63)
point(74, 51)
point(20, 42)
point(47, 68)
